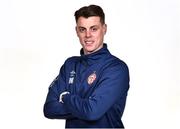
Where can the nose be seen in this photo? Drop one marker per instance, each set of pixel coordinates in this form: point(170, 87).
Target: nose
point(88, 34)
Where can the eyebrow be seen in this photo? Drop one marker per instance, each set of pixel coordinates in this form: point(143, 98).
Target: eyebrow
point(90, 26)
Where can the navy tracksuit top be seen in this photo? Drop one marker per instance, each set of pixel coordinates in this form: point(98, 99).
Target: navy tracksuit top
point(98, 84)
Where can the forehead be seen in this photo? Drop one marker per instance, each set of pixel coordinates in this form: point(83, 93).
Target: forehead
point(90, 21)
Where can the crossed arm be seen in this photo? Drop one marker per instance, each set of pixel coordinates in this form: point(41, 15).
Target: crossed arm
point(113, 86)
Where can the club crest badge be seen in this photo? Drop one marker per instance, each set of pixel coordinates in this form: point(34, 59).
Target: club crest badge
point(91, 78)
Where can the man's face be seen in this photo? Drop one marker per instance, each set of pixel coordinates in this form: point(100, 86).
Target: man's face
point(91, 33)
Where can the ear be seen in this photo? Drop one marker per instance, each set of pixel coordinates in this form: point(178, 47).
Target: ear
point(76, 31)
point(105, 28)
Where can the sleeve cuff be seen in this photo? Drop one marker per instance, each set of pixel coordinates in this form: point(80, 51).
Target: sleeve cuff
point(66, 98)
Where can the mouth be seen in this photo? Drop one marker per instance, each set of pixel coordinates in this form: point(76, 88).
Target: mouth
point(88, 43)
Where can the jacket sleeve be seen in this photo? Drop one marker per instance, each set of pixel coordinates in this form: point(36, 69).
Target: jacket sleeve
point(53, 109)
point(112, 86)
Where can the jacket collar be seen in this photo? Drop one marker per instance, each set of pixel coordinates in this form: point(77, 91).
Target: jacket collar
point(96, 56)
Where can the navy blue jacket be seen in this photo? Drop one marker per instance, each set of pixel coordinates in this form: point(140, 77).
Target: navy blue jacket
point(98, 84)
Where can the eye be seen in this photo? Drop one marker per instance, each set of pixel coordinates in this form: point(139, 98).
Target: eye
point(82, 29)
point(94, 29)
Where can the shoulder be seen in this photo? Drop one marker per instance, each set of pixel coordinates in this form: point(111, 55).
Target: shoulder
point(69, 63)
point(72, 60)
point(117, 63)
point(115, 69)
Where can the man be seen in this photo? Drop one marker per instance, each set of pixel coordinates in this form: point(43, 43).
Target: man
point(90, 90)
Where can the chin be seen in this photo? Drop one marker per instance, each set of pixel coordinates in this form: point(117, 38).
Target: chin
point(89, 51)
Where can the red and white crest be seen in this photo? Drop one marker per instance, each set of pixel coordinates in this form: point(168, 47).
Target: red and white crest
point(91, 78)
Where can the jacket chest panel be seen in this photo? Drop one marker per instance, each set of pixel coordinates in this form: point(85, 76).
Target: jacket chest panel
point(81, 79)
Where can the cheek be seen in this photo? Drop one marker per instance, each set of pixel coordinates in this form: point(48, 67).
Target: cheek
point(99, 36)
point(96, 35)
point(81, 39)
point(80, 36)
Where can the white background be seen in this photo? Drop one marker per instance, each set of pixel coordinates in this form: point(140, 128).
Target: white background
point(36, 36)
